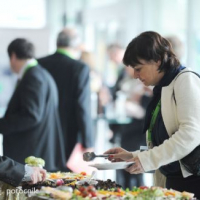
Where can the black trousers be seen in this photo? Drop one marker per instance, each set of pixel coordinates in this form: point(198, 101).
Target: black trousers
point(189, 184)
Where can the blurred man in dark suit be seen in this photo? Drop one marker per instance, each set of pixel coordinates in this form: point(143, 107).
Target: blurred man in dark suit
point(72, 79)
point(31, 125)
point(14, 173)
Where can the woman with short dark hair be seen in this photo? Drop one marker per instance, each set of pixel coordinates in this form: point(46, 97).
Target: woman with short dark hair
point(150, 46)
point(172, 117)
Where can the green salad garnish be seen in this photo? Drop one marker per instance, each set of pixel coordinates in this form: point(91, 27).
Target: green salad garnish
point(33, 161)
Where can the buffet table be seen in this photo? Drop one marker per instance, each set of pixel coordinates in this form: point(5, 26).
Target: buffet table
point(102, 190)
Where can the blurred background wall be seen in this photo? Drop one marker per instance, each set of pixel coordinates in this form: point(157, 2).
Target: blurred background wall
point(99, 23)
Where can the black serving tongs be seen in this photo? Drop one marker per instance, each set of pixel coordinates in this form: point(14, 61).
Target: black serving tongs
point(88, 156)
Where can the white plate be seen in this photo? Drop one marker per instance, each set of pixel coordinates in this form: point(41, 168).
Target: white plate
point(114, 165)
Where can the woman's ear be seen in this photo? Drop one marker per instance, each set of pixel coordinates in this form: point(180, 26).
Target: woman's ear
point(158, 62)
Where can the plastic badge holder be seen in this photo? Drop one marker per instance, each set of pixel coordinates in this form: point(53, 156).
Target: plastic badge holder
point(145, 148)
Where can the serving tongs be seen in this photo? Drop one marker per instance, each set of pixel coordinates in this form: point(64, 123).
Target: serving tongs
point(88, 156)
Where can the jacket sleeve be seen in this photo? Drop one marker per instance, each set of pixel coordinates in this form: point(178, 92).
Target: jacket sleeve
point(11, 172)
point(30, 107)
point(187, 136)
point(84, 108)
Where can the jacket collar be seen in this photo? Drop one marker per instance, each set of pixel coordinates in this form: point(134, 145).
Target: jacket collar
point(30, 63)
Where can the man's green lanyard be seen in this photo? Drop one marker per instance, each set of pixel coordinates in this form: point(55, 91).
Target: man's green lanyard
point(153, 120)
point(64, 52)
point(30, 65)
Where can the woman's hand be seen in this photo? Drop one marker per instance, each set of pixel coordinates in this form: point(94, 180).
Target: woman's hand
point(136, 168)
point(118, 154)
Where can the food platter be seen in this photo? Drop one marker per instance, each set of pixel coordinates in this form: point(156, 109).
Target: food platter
point(67, 175)
point(90, 192)
point(102, 190)
point(73, 186)
point(112, 166)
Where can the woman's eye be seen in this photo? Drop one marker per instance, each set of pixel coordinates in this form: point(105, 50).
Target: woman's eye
point(137, 70)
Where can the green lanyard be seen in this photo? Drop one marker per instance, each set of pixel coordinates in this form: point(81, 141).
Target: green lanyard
point(64, 52)
point(153, 120)
point(30, 65)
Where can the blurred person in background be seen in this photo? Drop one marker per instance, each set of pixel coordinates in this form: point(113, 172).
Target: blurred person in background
point(15, 173)
point(130, 99)
point(107, 93)
point(31, 125)
point(137, 98)
point(115, 54)
point(110, 95)
point(172, 117)
point(73, 83)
